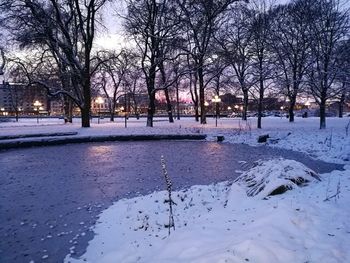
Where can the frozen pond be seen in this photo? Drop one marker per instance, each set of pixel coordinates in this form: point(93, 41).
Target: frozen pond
point(50, 196)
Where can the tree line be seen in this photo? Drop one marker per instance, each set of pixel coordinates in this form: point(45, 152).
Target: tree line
point(203, 47)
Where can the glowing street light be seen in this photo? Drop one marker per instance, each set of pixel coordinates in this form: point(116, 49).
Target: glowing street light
point(3, 112)
point(206, 104)
point(37, 107)
point(216, 100)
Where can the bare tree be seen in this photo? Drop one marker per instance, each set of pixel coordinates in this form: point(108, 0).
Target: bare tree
point(67, 30)
point(192, 85)
point(112, 75)
point(201, 19)
point(291, 42)
point(262, 69)
point(329, 28)
point(134, 84)
point(343, 76)
point(152, 24)
point(235, 40)
point(177, 68)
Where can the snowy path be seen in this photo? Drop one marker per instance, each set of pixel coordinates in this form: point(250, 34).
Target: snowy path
point(50, 197)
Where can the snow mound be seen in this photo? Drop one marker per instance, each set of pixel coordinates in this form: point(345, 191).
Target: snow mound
point(275, 177)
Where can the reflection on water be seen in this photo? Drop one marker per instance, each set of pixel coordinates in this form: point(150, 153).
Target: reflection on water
point(213, 148)
point(94, 151)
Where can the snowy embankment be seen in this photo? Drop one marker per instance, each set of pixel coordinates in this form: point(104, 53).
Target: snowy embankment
point(219, 223)
point(330, 145)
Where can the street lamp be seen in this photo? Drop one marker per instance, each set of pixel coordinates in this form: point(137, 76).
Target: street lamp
point(216, 100)
point(37, 106)
point(18, 112)
point(206, 104)
point(126, 108)
point(282, 111)
point(99, 102)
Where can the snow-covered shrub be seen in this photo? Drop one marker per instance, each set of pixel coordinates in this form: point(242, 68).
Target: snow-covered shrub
point(275, 177)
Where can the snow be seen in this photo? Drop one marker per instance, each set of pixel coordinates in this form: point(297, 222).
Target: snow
point(220, 222)
point(274, 176)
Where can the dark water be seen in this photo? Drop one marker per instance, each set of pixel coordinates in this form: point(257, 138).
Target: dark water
point(51, 196)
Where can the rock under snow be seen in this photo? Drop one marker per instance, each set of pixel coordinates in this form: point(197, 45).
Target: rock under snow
point(275, 177)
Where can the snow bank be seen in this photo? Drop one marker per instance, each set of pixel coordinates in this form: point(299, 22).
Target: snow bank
point(219, 223)
point(330, 145)
point(275, 177)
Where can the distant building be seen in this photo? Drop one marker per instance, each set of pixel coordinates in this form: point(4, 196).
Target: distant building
point(56, 106)
point(100, 104)
point(17, 97)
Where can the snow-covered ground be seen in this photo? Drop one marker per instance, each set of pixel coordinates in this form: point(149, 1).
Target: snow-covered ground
point(220, 223)
point(331, 144)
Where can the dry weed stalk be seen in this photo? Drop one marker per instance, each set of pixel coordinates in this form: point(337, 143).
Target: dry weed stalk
point(169, 190)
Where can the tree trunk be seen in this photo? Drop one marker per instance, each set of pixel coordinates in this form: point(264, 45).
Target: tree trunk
point(201, 93)
point(85, 116)
point(68, 110)
point(196, 111)
point(341, 105)
point(16, 112)
point(291, 113)
point(195, 98)
point(151, 91)
point(85, 113)
point(168, 102)
point(245, 104)
point(291, 109)
point(151, 110)
point(323, 114)
point(341, 110)
point(135, 107)
point(169, 107)
point(112, 116)
point(177, 102)
point(261, 99)
point(260, 106)
point(111, 107)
